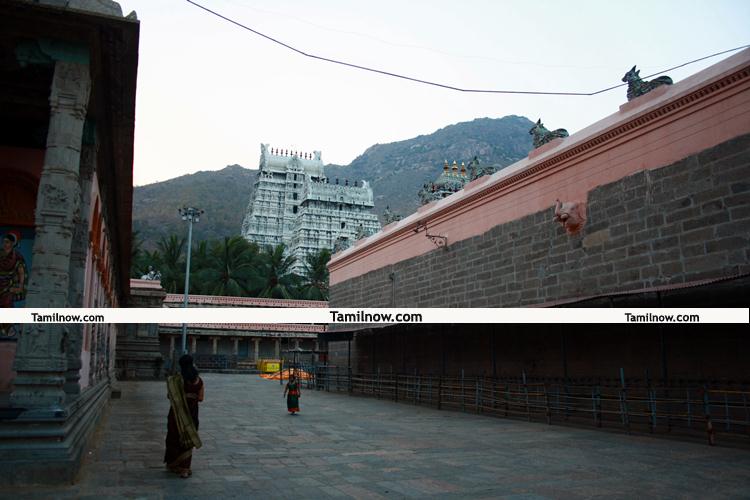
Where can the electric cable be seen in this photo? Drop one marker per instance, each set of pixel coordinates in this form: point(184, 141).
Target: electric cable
point(442, 85)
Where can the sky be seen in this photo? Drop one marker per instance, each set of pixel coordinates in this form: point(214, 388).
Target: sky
point(209, 92)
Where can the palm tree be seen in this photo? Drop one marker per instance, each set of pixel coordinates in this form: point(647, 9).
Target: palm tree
point(172, 264)
point(136, 261)
point(141, 259)
point(275, 274)
point(200, 260)
point(231, 268)
point(315, 275)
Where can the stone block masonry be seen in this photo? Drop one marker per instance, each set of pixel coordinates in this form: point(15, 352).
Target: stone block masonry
point(682, 223)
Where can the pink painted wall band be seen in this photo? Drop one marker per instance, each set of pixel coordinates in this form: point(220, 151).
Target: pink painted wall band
point(652, 131)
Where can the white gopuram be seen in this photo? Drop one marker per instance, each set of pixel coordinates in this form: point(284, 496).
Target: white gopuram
point(294, 203)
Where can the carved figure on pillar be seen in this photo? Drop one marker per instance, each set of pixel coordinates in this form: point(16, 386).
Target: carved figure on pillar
point(542, 136)
point(572, 215)
point(638, 87)
point(42, 350)
point(13, 271)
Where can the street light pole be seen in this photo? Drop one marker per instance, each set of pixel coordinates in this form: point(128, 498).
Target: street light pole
point(191, 215)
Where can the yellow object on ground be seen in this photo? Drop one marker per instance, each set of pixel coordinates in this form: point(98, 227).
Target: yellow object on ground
point(269, 365)
point(301, 375)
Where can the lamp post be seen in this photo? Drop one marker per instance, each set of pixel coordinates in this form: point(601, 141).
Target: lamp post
point(191, 215)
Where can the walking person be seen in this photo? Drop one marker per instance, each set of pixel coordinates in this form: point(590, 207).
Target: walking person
point(185, 391)
point(292, 394)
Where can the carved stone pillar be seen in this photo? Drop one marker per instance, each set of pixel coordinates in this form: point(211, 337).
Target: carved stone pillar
point(296, 343)
point(171, 351)
point(236, 348)
point(193, 341)
point(277, 348)
point(78, 251)
point(214, 341)
point(41, 360)
point(257, 347)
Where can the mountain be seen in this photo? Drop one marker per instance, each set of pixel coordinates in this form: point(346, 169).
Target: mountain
point(223, 194)
point(396, 172)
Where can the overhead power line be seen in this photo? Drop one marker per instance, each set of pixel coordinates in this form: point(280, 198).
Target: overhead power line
point(442, 85)
point(241, 4)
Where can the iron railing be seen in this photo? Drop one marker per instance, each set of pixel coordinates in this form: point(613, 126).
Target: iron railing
point(715, 410)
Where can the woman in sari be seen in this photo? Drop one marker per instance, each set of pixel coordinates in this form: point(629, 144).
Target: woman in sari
point(185, 391)
point(292, 394)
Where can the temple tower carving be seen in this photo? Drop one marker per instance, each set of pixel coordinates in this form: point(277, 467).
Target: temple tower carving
point(294, 203)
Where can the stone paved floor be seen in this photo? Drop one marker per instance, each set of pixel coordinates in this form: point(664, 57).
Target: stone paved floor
point(350, 447)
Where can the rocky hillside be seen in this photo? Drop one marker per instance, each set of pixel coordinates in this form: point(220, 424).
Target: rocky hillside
point(223, 194)
point(396, 171)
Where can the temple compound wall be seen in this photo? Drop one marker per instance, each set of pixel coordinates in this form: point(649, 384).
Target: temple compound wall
point(673, 226)
point(294, 203)
point(649, 207)
point(67, 113)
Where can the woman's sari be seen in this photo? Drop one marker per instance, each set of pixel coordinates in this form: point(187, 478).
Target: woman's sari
point(182, 423)
point(292, 397)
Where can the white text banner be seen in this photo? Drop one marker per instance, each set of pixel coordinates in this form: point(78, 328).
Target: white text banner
point(232, 315)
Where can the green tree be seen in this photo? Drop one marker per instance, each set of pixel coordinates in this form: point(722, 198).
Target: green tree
point(172, 264)
point(136, 257)
point(275, 275)
point(230, 269)
point(200, 260)
point(315, 275)
point(142, 259)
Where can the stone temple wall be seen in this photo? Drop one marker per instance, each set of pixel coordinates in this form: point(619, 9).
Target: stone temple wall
point(661, 186)
point(685, 222)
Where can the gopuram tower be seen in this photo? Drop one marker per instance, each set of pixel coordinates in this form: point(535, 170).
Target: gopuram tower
point(294, 203)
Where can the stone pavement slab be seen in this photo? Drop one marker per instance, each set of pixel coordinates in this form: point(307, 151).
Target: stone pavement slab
point(351, 447)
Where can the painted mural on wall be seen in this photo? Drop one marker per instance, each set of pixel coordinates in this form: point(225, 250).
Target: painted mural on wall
point(15, 264)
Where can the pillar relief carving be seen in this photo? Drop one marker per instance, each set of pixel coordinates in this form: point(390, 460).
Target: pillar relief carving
point(78, 251)
point(41, 358)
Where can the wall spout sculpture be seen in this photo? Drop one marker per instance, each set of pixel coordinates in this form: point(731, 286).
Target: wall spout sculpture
point(571, 214)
